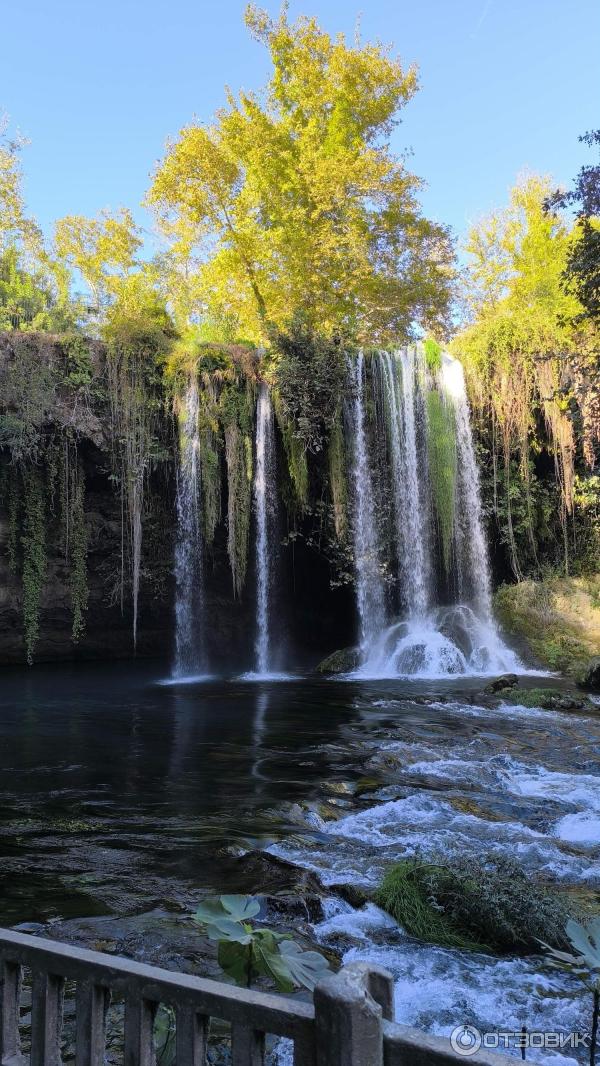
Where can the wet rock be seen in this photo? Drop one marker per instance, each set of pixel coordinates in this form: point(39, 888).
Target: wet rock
point(352, 894)
point(292, 909)
point(260, 873)
point(589, 677)
point(157, 938)
point(500, 684)
point(339, 662)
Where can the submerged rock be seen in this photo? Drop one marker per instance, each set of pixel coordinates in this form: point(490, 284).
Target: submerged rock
point(500, 684)
point(339, 662)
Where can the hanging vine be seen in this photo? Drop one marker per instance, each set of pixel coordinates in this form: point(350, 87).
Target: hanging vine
point(237, 414)
point(34, 559)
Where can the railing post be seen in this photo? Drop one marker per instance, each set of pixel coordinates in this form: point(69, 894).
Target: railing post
point(139, 1031)
point(46, 1019)
point(247, 1046)
point(348, 1017)
point(10, 994)
point(91, 1005)
point(190, 1037)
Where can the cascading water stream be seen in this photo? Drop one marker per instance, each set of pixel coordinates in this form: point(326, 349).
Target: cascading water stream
point(189, 606)
point(426, 641)
point(470, 547)
point(369, 582)
point(407, 487)
point(264, 504)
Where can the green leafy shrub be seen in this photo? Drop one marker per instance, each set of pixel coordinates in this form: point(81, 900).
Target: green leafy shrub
point(245, 953)
point(310, 376)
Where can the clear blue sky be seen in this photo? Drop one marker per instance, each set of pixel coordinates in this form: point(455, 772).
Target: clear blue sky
point(98, 87)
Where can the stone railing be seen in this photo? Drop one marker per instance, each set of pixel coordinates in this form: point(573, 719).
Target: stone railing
point(349, 1024)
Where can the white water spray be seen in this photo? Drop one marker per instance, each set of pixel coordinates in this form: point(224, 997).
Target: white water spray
point(189, 606)
point(264, 503)
point(369, 582)
point(426, 641)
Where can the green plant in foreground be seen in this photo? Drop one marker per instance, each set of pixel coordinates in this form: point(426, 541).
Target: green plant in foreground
point(585, 965)
point(245, 953)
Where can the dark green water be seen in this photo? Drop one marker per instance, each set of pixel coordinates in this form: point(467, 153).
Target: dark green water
point(119, 793)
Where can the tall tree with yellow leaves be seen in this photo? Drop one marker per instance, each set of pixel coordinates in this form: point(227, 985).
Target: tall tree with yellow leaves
point(295, 203)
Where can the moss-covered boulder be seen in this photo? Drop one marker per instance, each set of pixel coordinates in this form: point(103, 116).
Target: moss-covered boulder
point(489, 906)
point(549, 699)
point(589, 675)
point(340, 662)
point(502, 684)
point(555, 621)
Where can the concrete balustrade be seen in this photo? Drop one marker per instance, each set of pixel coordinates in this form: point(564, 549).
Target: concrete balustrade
point(349, 1023)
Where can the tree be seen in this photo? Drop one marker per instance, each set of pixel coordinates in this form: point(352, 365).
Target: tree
point(34, 290)
point(522, 345)
point(295, 202)
point(582, 269)
point(102, 249)
point(16, 229)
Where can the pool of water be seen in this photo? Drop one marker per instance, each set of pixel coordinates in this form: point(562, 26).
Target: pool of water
point(120, 794)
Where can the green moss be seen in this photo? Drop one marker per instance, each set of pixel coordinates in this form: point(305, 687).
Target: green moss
point(441, 450)
point(557, 619)
point(547, 698)
point(433, 355)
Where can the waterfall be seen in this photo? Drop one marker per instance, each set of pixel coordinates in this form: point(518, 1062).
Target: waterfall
point(428, 638)
point(470, 546)
point(189, 653)
point(408, 480)
point(264, 504)
point(369, 581)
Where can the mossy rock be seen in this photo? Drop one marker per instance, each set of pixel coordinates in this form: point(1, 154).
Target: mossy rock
point(589, 675)
point(500, 684)
point(549, 699)
point(339, 662)
point(557, 621)
point(490, 906)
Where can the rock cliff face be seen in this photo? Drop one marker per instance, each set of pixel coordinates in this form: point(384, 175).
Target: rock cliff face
point(57, 431)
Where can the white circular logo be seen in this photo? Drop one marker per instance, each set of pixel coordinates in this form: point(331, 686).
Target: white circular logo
point(465, 1040)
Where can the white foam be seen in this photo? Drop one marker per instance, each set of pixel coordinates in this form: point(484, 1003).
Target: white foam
point(447, 642)
point(356, 924)
point(253, 675)
point(189, 679)
point(437, 989)
point(581, 828)
point(422, 824)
